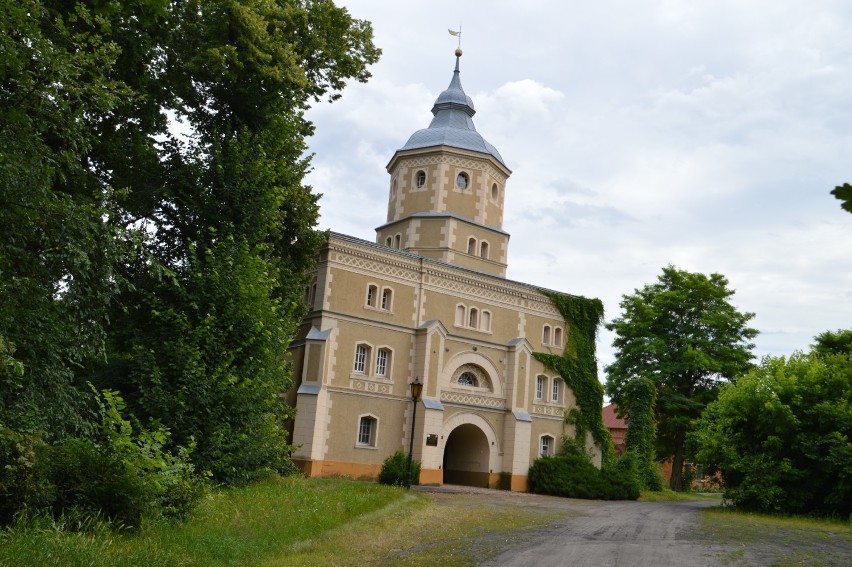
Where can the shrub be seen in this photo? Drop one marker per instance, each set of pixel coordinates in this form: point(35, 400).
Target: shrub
point(780, 436)
point(572, 474)
point(24, 485)
point(395, 470)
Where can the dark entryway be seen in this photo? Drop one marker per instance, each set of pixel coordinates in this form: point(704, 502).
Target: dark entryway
point(466, 456)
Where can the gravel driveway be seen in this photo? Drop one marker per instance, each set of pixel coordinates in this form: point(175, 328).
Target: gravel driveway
point(626, 533)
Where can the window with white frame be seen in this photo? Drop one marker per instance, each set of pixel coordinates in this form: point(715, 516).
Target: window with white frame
point(555, 390)
point(540, 383)
point(372, 292)
point(545, 447)
point(461, 313)
point(367, 426)
point(387, 299)
point(545, 335)
point(362, 355)
point(420, 179)
point(382, 362)
point(471, 246)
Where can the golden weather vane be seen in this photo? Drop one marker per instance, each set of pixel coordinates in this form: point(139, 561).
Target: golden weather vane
point(456, 34)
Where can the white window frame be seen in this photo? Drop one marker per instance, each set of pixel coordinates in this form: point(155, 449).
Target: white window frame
point(368, 431)
point(557, 337)
point(471, 246)
point(372, 292)
point(483, 249)
point(545, 445)
point(363, 352)
point(387, 299)
point(417, 179)
point(545, 335)
point(540, 386)
point(555, 390)
point(383, 360)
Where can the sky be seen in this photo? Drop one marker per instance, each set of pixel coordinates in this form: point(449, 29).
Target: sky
point(704, 134)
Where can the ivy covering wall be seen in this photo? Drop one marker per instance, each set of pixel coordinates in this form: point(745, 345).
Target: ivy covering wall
point(578, 366)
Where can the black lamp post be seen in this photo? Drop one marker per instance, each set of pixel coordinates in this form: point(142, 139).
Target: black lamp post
point(416, 390)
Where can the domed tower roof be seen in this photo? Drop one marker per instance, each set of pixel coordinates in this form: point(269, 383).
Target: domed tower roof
point(452, 124)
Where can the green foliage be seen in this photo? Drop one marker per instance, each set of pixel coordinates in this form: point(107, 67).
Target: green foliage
point(572, 474)
point(844, 194)
point(780, 436)
point(117, 475)
point(395, 470)
point(833, 342)
point(682, 333)
point(642, 431)
point(578, 366)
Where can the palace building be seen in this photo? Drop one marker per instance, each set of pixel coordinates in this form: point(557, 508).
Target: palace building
point(429, 300)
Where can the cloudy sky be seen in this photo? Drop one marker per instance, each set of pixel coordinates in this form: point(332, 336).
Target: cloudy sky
point(706, 134)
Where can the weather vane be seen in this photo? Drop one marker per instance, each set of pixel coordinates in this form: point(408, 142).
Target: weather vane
point(456, 34)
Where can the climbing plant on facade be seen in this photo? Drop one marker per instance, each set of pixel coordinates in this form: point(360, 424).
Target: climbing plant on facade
point(578, 366)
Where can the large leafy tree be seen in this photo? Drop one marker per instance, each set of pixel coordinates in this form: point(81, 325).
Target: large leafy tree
point(781, 435)
point(683, 334)
point(163, 207)
point(844, 194)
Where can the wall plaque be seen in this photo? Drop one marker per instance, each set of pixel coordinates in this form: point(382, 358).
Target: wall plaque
point(432, 440)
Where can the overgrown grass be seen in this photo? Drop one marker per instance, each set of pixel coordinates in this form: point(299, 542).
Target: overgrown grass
point(244, 526)
point(292, 521)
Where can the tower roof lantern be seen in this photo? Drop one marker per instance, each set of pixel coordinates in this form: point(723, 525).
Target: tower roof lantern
point(452, 124)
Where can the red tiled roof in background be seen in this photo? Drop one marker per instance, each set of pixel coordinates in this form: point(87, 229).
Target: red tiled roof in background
point(611, 421)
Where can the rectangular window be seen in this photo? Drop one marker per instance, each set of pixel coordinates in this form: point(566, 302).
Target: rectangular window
point(365, 430)
point(387, 295)
point(539, 387)
point(361, 359)
point(382, 363)
point(554, 396)
point(544, 450)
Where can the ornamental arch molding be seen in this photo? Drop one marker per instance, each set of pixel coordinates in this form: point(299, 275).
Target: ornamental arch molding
point(482, 363)
point(494, 462)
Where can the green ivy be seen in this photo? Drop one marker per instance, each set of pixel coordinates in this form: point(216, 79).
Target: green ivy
point(578, 366)
point(642, 430)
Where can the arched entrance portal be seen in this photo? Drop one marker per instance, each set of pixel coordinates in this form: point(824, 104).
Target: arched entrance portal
point(466, 456)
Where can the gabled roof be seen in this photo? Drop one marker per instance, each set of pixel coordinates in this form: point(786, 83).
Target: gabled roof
point(611, 420)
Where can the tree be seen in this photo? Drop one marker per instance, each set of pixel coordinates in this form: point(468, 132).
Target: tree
point(684, 335)
point(781, 435)
point(642, 430)
point(833, 342)
point(844, 193)
point(156, 230)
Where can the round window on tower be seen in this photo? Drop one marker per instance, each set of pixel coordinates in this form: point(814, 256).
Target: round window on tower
point(420, 179)
point(462, 180)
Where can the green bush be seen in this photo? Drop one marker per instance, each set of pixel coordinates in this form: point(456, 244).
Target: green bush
point(24, 486)
point(571, 474)
point(395, 470)
point(781, 436)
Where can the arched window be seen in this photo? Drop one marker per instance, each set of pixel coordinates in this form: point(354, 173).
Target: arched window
point(397, 241)
point(383, 360)
point(557, 337)
point(468, 379)
point(556, 390)
point(461, 312)
point(420, 179)
point(540, 384)
point(388, 241)
point(545, 446)
point(362, 356)
point(473, 319)
point(545, 335)
point(483, 250)
point(372, 292)
point(485, 324)
point(495, 192)
point(387, 299)
point(367, 429)
point(471, 246)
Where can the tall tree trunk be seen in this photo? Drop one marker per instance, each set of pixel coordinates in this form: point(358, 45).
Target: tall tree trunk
point(676, 480)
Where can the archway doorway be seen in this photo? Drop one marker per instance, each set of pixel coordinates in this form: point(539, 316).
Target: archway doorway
point(466, 456)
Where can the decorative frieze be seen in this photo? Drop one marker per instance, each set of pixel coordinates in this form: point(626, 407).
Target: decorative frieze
point(473, 400)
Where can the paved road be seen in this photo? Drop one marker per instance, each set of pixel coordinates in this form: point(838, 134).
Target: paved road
point(618, 534)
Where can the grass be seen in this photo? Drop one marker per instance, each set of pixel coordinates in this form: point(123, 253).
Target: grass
point(667, 495)
point(781, 541)
point(290, 521)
